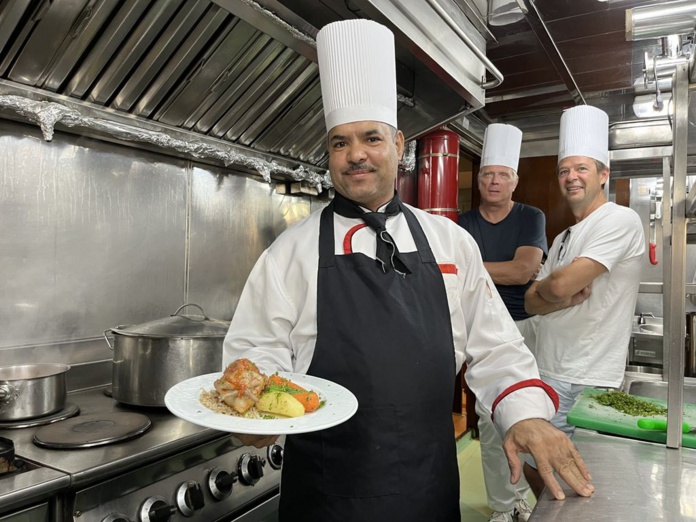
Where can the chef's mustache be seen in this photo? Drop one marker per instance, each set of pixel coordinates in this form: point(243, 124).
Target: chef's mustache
point(359, 166)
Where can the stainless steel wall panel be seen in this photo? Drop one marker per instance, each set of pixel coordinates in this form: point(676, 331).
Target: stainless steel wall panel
point(94, 236)
point(83, 351)
point(233, 220)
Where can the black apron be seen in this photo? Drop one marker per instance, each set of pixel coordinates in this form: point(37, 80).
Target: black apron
point(388, 339)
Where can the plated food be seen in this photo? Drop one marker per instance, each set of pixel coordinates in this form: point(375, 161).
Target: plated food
point(244, 391)
point(185, 400)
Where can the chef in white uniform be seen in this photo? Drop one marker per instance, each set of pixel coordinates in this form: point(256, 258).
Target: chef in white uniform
point(586, 292)
point(388, 301)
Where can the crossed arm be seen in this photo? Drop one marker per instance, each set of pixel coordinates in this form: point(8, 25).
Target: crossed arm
point(565, 287)
point(519, 270)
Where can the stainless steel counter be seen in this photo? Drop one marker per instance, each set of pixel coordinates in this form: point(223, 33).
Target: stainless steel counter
point(634, 480)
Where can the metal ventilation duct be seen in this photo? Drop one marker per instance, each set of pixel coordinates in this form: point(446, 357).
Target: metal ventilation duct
point(662, 19)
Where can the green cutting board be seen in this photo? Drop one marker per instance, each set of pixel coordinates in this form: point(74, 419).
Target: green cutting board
point(588, 413)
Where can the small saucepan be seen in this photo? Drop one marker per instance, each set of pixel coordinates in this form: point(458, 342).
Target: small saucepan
point(32, 390)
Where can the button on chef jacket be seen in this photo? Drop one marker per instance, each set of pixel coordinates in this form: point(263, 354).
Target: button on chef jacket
point(275, 322)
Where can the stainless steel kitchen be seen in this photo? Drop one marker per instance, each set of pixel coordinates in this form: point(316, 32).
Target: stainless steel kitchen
point(152, 150)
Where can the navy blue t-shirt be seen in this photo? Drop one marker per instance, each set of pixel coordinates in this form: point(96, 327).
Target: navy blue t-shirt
point(524, 226)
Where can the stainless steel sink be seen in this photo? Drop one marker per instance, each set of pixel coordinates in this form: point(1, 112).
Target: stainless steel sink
point(651, 328)
point(647, 319)
point(658, 390)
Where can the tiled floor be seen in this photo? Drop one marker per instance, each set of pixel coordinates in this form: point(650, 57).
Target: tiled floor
point(459, 425)
point(472, 498)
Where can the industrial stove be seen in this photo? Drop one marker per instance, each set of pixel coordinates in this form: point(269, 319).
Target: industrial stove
point(102, 461)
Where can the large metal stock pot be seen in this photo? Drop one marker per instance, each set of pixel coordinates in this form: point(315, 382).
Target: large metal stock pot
point(32, 390)
point(152, 357)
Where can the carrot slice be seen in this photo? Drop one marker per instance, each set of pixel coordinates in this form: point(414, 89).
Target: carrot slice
point(277, 380)
point(309, 400)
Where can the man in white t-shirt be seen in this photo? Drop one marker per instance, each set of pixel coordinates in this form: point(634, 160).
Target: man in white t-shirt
point(586, 291)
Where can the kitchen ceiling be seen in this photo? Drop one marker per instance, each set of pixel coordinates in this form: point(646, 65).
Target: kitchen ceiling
point(245, 72)
point(564, 53)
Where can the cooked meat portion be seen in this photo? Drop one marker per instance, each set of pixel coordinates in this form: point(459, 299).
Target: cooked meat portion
point(240, 385)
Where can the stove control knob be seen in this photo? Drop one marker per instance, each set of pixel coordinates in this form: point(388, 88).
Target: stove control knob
point(115, 517)
point(275, 456)
point(189, 498)
point(220, 483)
point(250, 469)
point(156, 509)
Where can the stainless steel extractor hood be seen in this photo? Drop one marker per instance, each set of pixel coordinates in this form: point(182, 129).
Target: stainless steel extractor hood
point(230, 75)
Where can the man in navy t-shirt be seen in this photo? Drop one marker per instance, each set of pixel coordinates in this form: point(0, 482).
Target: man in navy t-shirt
point(512, 240)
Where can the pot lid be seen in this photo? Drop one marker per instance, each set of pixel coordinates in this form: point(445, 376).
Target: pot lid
point(178, 325)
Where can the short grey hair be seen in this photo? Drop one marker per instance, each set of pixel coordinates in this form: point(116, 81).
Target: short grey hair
point(600, 166)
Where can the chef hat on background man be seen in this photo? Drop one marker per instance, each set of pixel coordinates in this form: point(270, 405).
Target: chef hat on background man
point(357, 69)
point(584, 132)
point(501, 146)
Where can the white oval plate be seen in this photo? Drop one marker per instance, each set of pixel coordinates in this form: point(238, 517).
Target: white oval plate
point(339, 405)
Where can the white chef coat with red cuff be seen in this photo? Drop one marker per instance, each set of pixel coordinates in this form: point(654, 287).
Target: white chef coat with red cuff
point(275, 321)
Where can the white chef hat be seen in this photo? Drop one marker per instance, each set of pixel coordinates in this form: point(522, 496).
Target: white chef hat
point(584, 132)
point(357, 68)
point(501, 146)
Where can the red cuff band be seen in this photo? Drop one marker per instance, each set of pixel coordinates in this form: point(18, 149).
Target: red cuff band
point(526, 384)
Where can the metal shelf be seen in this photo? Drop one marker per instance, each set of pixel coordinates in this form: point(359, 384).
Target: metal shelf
point(641, 153)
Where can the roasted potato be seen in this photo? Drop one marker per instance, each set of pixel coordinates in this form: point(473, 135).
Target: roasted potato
point(280, 403)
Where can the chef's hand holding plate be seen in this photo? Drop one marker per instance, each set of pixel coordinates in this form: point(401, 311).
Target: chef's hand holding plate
point(256, 441)
point(553, 451)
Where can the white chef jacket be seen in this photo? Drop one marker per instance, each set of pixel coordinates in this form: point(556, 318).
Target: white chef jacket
point(275, 323)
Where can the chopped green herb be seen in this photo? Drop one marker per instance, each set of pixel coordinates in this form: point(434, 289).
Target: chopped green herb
point(629, 404)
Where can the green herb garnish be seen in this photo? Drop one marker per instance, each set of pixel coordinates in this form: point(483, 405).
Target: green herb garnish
point(629, 404)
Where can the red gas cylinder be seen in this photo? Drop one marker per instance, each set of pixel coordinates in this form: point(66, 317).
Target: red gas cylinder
point(438, 173)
